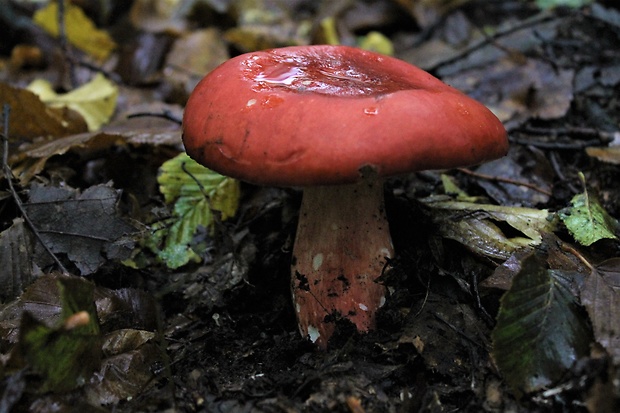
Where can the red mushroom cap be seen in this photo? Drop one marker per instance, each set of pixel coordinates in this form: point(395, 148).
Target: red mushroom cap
point(316, 115)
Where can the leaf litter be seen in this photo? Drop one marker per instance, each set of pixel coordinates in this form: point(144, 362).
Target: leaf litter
point(83, 225)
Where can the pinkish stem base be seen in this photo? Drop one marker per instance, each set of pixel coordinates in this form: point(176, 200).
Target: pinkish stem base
point(342, 243)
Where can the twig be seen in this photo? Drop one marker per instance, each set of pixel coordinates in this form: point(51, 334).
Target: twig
point(457, 330)
point(64, 43)
point(492, 39)
point(6, 111)
point(505, 180)
point(573, 131)
point(596, 137)
point(166, 114)
point(556, 145)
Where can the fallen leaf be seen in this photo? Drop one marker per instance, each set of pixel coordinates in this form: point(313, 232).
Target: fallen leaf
point(64, 355)
point(158, 16)
point(477, 226)
point(600, 295)
point(125, 375)
point(136, 131)
point(610, 154)
point(81, 31)
point(516, 90)
point(184, 67)
point(31, 118)
point(196, 192)
point(541, 331)
point(376, 42)
point(16, 249)
point(85, 226)
point(587, 220)
point(549, 4)
point(113, 358)
point(522, 164)
point(95, 100)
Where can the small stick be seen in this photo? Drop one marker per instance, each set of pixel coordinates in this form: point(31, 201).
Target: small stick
point(504, 180)
point(64, 42)
point(6, 111)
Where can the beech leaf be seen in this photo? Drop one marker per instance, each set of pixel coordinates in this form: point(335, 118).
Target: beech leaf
point(85, 226)
point(196, 192)
point(587, 220)
point(600, 295)
point(541, 330)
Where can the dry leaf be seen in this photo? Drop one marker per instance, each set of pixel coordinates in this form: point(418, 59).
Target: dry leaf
point(84, 226)
point(95, 100)
point(81, 31)
point(600, 295)
point(31, 118)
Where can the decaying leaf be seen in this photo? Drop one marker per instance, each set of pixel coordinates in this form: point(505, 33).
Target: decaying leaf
point(95, 100)
point(600, 295)
point(81, 31)
point(131, 348)
point(478, 226)
point(56, 325)
point(265, 24)
point(16, 249)
point(65, 355)
point(160, 15)
point(587, 220)
point(85, 226)
point(145, 130)
point(41, 300)
point(541, 331)
point(610, 154)
point(196, 192)
point(184, 67)
point(31, 118)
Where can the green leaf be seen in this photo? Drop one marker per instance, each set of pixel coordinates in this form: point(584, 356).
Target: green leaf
point(549, 4)
point(65, 356)
point(196, 192)
point(587, 221)
point(541, 330)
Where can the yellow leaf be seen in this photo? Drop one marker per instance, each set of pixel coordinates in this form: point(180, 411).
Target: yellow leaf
point(377, 42)
point(81, 31)
point(95, 100)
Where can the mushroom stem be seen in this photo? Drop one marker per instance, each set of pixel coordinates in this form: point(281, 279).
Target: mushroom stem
point(342, 244)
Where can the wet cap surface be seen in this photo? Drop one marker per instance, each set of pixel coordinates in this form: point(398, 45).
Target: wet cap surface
point(315, 115)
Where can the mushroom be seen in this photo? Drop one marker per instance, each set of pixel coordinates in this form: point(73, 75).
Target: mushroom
point(336, 121)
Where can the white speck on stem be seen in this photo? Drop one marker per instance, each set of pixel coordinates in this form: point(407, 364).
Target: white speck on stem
point(313, 333)
point(317, 261)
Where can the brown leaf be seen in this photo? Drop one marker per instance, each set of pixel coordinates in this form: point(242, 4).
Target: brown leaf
point(184, 67)
point(31, 118)
point(16, 272)
point(600, 295)
point(609, 155)
point(85, 226)
point(146, 130)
